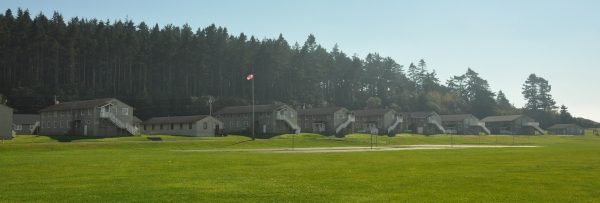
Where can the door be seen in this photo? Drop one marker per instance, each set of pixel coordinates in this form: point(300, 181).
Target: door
point(217, 130)
point(264, 128)
point(420, 130)
point(85, 130)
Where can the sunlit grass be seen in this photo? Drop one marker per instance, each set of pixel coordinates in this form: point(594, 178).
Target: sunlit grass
point(135, 169)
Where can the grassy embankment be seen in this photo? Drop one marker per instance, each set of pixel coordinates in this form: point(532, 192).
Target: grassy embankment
point(132, 169)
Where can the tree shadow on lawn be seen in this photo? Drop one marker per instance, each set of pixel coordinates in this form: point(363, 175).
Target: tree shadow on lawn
point(260, 135)
point(71, 138)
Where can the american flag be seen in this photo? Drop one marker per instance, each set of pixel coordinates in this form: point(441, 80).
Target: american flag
point(249, 77)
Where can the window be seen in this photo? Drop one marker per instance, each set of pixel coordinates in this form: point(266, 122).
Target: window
point(260, 115)
point(144, 126)
point(55, 123)
point(379, 125)
point(214, 126)
point(230, 115)
point(230, 123)
point(48, 124)
point(305, 117)
point(181, 126)
point(239, 115)
point(246, 115)
point(69, 112)
point(61, 124)
point(87, 122)
point(68, 121)
point(125, 111)
point(292, 114)
point(161, 126)
point(152, 126)
point(190, 125)
point(306, 125)
point(172, 126)
point(204, 125)
point(55, 113)
point(42, 115)
point(246, 124)
point(90, 111)
point(18, 127)
point(62, 113)
point(238, 124)
point(314, 117)
point(328, 116)
point(364, 118)
point(267, 122)
point(42, 124)
point(378, 117)
point(81, 111)
point(268, 114)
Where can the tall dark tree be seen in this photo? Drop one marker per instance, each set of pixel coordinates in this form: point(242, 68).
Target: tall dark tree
point(565, 116)
point(536, 91)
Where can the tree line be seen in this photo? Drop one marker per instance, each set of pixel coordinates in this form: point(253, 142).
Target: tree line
point(172, 70)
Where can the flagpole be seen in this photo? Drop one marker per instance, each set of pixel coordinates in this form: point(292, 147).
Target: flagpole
point(253, 125)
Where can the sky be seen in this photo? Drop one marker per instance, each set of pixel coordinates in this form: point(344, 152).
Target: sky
point(504, 41)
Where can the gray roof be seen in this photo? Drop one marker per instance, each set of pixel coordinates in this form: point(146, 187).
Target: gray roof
point(562, 126)
point(21, 119)
point(137, 120)
point(419, 114)
point(248, 109)
point(500, 118)
point(318, 111)
point(175, 119)
point(78, 105)
point(455, 117)
point(372, 112)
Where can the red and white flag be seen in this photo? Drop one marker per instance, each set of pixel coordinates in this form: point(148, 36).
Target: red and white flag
point(249, 77)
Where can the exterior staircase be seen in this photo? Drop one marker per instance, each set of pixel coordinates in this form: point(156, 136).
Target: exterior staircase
point(535, 125)
point(288, 121)
point(345, 124)
point(482, 126)
point(119, 123)
point(439, 126)
point(398, 121)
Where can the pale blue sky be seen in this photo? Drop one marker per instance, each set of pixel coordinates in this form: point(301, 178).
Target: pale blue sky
point(504, 41)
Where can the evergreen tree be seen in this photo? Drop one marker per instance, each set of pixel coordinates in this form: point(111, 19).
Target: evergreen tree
point(536, 91)
point(565, 116)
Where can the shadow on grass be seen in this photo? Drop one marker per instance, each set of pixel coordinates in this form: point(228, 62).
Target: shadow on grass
point(71, 138)
point(260, 135)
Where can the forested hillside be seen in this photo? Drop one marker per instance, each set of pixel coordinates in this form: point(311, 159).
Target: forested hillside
point(172, 70)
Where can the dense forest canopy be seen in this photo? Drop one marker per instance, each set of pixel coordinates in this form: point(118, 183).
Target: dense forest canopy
point(173, 70)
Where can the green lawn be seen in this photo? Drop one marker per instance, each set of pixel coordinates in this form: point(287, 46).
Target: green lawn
point(134, 169)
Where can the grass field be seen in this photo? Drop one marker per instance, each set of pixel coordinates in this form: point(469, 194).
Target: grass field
point(190, 169)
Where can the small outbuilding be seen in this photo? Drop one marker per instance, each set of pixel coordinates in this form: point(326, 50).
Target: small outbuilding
point(26, 124)
point(200, 125)
point(565, 129)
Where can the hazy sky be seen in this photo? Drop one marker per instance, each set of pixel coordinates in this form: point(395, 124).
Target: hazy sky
point(504, 41)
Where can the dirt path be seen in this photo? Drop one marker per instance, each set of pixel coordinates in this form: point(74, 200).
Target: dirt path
point(357, 149)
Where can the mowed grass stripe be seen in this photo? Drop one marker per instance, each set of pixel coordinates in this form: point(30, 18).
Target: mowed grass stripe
point(564, 169)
